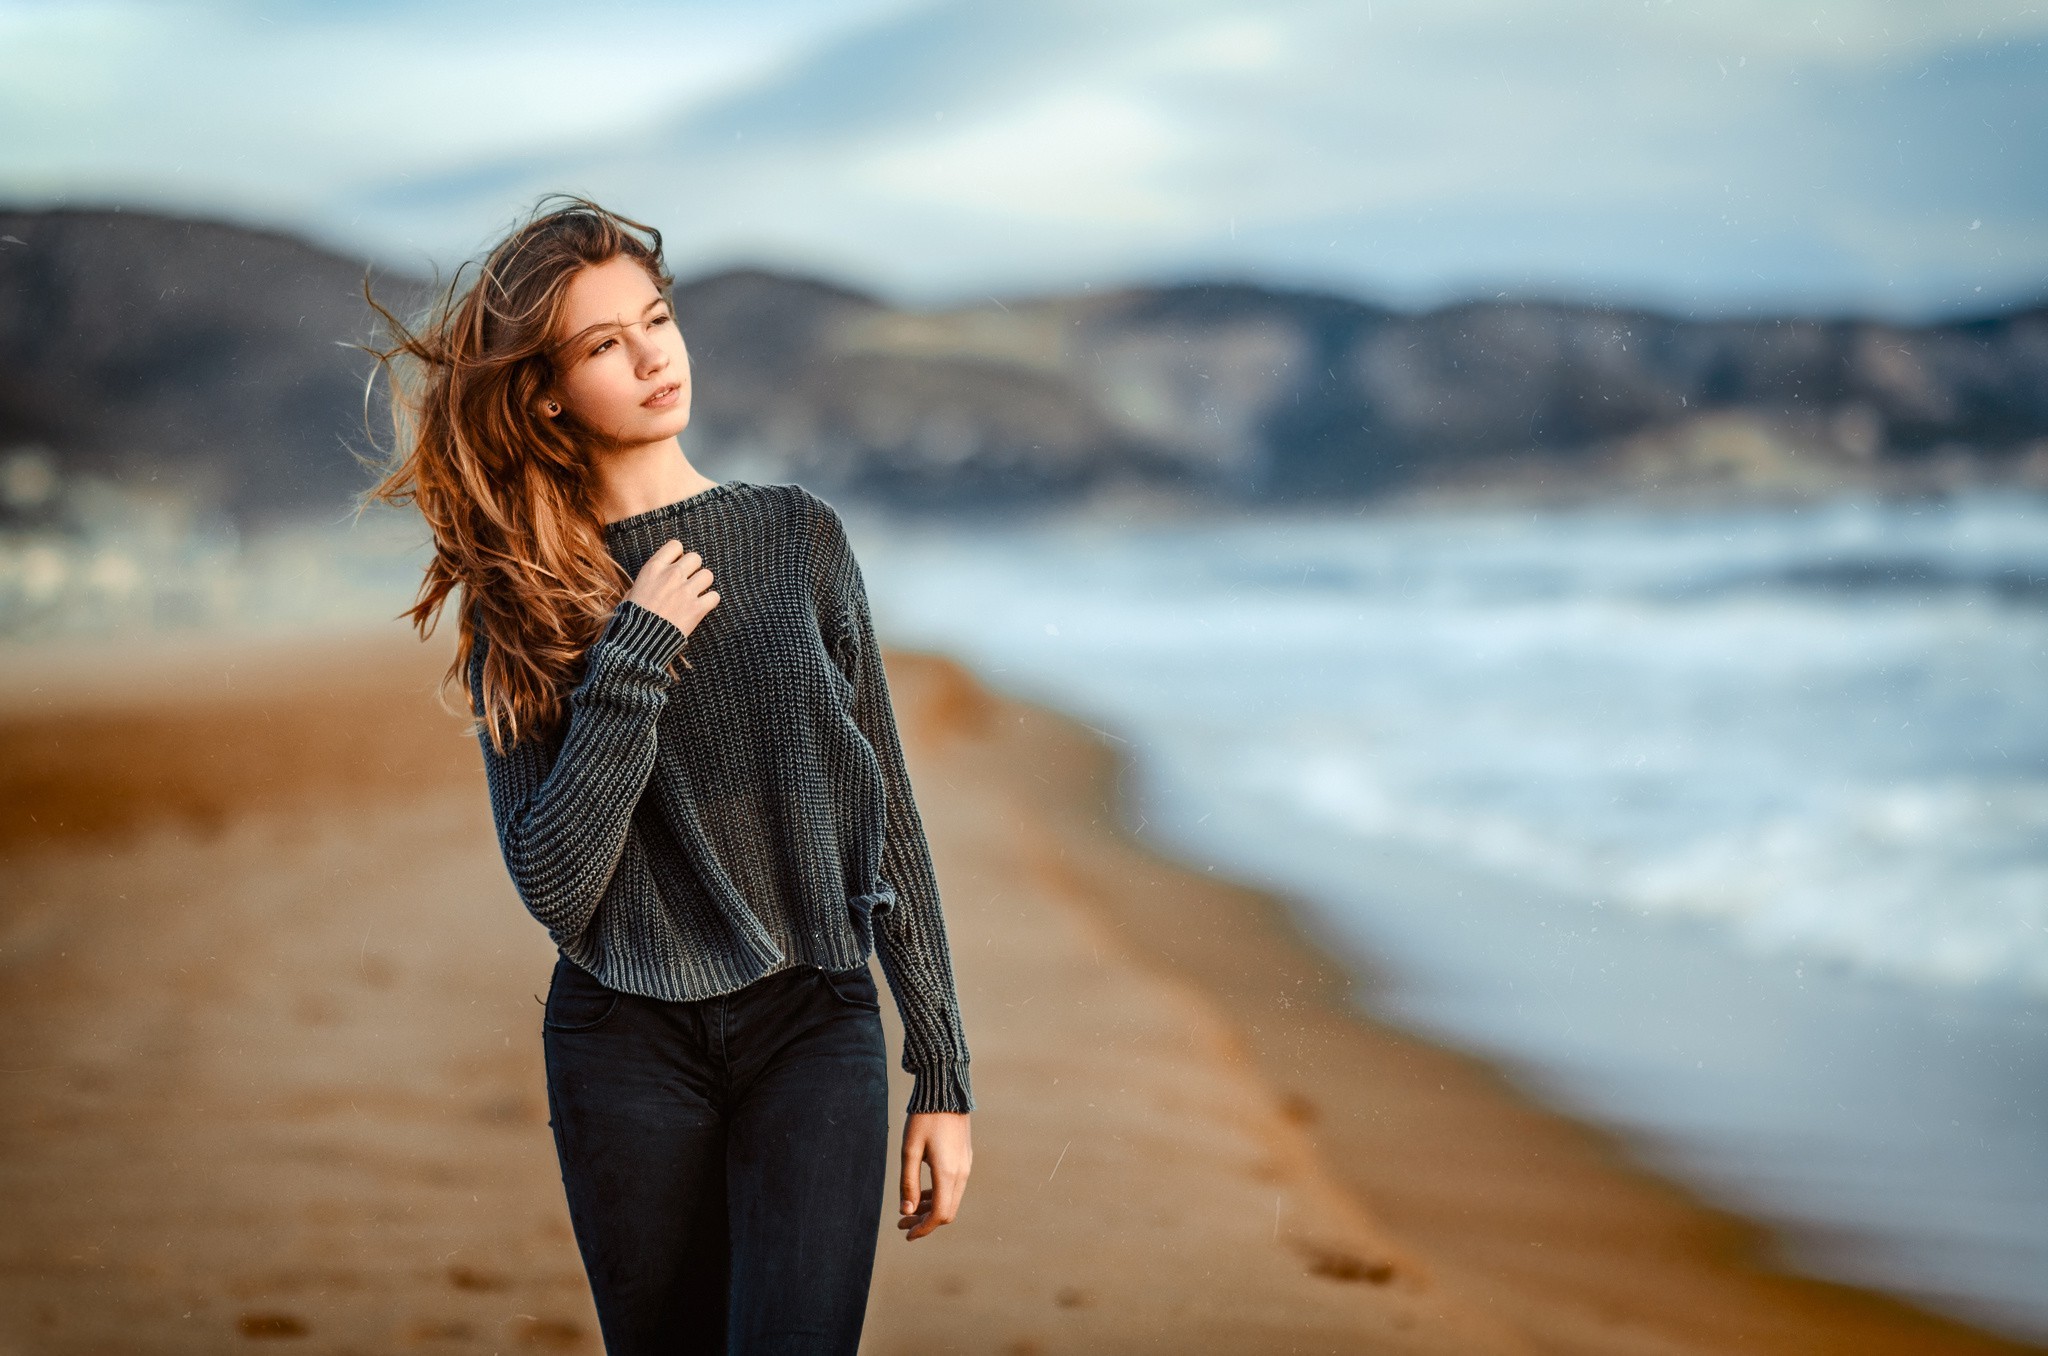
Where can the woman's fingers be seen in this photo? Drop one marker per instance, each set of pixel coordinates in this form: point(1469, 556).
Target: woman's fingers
point(921, 1223)
point(942, 1141)
point(676, 584)
point(924, 1221)
point(920, 1211)
point(947, 1188)
point(673, 553)
point(910, 1169)
point(694, 575)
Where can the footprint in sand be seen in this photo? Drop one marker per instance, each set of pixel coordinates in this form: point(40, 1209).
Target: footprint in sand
point(261, 1325)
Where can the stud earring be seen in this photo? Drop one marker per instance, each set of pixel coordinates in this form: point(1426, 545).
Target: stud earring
point(553, 408)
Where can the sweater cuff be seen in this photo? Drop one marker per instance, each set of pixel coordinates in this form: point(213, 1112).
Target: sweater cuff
point(644, 634)
point(942, 1087)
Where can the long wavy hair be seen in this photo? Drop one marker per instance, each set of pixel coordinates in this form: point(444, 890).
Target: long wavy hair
point(510, 496)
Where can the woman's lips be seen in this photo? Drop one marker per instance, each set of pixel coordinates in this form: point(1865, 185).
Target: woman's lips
point(663, 398)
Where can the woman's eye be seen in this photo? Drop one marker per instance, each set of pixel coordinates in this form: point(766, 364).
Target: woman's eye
point(657, 320)
point(602, 347)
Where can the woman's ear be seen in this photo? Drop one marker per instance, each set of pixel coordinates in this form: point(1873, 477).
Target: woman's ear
point(550, 408)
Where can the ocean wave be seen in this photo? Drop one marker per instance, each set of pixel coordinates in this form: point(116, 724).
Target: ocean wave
point(1824, 731)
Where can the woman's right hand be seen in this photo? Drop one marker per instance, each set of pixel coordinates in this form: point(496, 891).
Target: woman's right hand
point(674, 584)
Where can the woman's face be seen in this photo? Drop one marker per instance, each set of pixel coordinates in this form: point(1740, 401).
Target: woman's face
point(621, 367)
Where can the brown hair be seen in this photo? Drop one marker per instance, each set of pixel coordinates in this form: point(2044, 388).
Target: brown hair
point(509, 496)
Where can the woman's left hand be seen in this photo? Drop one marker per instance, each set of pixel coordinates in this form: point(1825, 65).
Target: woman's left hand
point(941, 1139)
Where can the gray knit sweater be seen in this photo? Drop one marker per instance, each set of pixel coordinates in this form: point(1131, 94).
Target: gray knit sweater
point(699, 823)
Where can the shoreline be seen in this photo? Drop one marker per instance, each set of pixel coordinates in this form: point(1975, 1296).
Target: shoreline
point(1548, 1223)
point(272, 998)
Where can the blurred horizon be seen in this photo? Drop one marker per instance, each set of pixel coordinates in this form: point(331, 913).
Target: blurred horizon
point(1875, 159)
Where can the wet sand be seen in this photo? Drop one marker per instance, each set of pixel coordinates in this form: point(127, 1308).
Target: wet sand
point(274, 1073)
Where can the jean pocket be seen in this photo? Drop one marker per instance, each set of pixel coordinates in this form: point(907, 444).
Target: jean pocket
point(855, 987)
point(576, 1001)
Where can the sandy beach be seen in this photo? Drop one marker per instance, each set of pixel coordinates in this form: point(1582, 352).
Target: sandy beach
point(275, 1077)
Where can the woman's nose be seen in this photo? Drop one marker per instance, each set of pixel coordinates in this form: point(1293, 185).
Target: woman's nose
point(648, 356)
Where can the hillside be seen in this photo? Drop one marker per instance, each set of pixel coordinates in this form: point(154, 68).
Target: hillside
point(139, 346)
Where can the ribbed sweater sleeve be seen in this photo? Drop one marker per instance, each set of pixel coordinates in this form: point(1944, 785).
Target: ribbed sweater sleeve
point(563, 813)
point(910, 934)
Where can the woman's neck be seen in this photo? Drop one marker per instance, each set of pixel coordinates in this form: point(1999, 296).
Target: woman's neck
point(646, 477)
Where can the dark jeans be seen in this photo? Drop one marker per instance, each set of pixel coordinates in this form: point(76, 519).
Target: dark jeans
point(724, 1159)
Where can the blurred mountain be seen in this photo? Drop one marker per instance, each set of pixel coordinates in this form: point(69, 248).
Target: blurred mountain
point(137, 346)
point(1261, 394)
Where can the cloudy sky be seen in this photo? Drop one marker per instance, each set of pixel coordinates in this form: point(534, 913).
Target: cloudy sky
point(1881, 156)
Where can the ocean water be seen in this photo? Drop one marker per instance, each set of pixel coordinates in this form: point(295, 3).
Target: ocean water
point(1728, 830)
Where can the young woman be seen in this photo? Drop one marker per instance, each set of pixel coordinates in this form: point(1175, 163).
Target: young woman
point(698, 791)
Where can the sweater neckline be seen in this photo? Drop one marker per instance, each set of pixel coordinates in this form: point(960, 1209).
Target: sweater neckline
point(621, 526)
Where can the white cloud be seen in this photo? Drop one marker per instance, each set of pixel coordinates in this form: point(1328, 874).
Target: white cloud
point(305, 100)
point(1080, 158)
point(1232, 45)
point(1730, 153)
